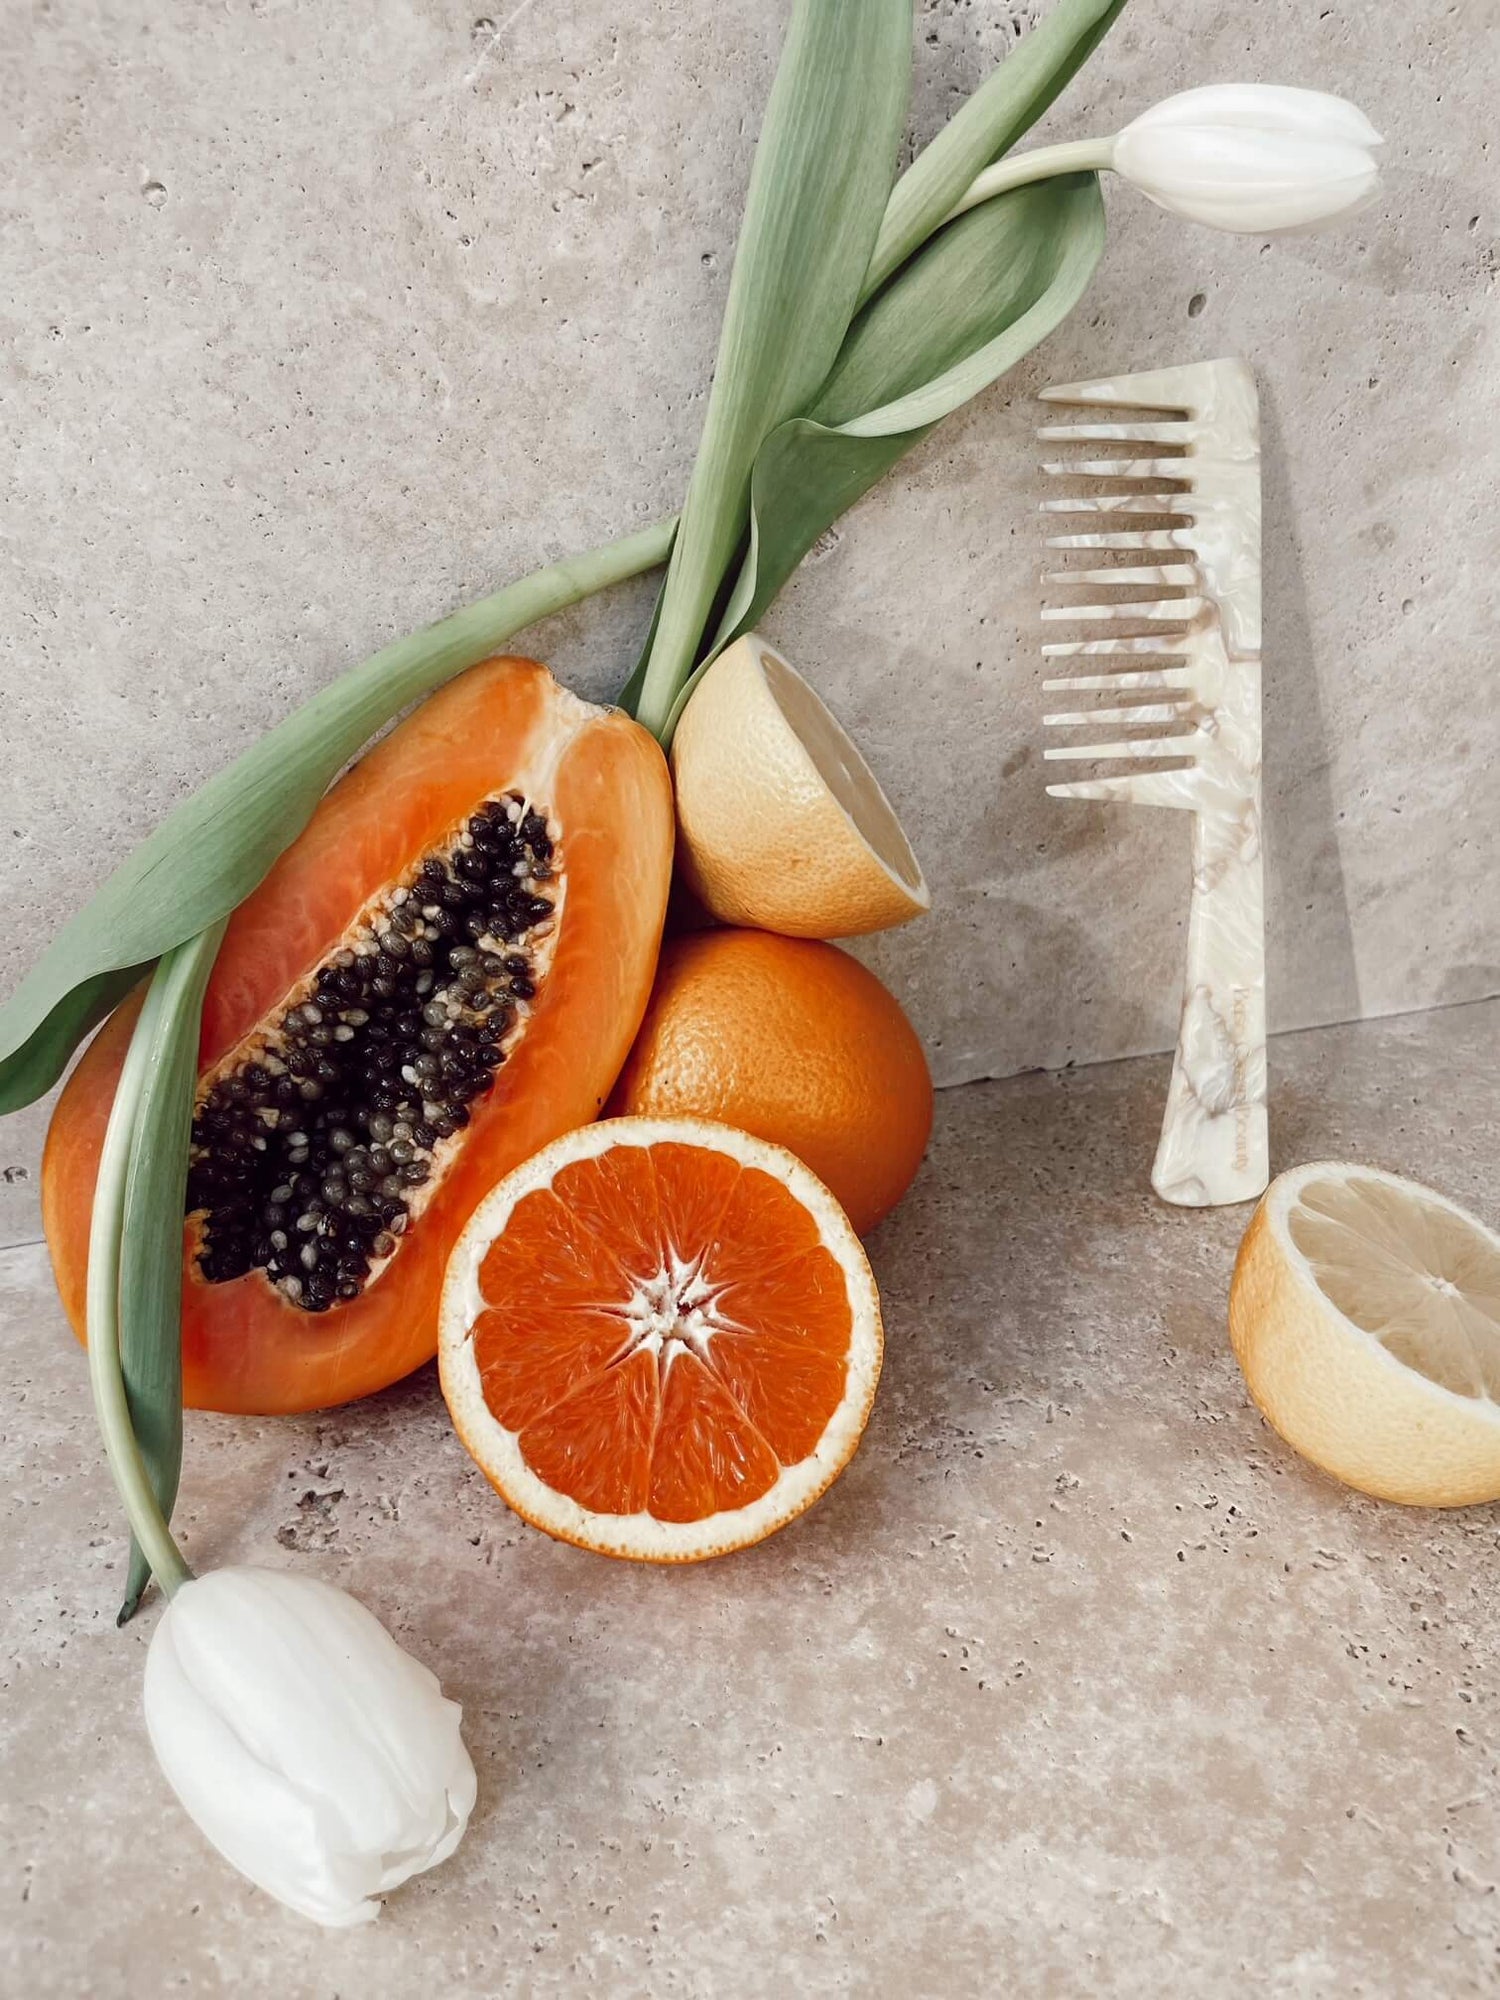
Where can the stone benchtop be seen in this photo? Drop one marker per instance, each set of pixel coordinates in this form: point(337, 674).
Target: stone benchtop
point(1077, 1674)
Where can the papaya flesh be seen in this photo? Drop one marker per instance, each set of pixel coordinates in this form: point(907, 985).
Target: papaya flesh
point(444, 972)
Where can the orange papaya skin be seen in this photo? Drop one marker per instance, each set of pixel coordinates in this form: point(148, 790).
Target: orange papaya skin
point(503, 726)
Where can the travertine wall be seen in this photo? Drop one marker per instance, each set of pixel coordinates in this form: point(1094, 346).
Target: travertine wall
point(322, 319)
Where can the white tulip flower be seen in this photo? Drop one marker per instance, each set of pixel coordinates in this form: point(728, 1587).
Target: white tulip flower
point(321, 1759)
point(1255, 158)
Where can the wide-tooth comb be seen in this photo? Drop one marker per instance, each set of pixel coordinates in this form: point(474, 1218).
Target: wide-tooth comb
point(1187, 689)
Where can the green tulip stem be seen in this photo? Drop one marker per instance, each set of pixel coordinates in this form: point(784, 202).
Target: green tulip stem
point(1078, 156)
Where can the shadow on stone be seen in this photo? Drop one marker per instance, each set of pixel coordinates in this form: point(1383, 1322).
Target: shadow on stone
point(1309, 941)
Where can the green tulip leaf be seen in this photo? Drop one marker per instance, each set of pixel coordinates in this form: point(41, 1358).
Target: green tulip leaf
point(823, 170)
point(979, 296)
point(986, 126)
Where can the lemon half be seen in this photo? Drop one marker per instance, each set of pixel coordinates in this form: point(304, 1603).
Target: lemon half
point(782, 824)
point(1365, 1312)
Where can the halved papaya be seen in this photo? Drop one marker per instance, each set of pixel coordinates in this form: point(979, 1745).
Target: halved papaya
point(443, 973)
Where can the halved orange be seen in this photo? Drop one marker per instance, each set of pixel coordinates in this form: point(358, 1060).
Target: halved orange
point(660, 1339)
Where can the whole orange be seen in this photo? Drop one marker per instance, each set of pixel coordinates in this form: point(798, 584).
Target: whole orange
point(794, 1042)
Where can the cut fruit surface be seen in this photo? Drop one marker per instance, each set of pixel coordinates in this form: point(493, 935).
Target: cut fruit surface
point(443, 972)
point(1365, 1313)
point(660, 1339)
point(783, 824)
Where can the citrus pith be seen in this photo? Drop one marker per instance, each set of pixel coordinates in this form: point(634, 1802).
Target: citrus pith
point(660, 1339)
point(782, 823)
point(1365, 1313)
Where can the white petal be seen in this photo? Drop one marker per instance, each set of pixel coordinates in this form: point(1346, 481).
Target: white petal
point(1220, 159)
point(358, 1753)
point(258, 1822)
point(1239, 215)
point(1236, 179)
point(1266, 107)
point(322, 1692)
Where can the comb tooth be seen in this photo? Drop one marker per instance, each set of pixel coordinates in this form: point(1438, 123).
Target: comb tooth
point(1123, 503)
point(1163, 610)
point(1162, 678)
point(1141, 788)
point(1150, 680)
point(1130, 433)
point(1168, 647)
point(1129, 538)
point(1156, 389)
point(1167, 573)
point(1130, 746)
point(1154, 711)
point(1117, 468)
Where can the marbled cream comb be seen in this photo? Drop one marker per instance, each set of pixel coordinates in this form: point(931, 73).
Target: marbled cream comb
point(1181, 680)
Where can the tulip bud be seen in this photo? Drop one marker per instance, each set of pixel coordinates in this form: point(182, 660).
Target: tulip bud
point(321, 1759)
point(1257, 158)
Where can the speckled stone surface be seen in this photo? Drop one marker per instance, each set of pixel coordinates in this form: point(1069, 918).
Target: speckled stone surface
point(1078, 1681)
point(322, 319)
